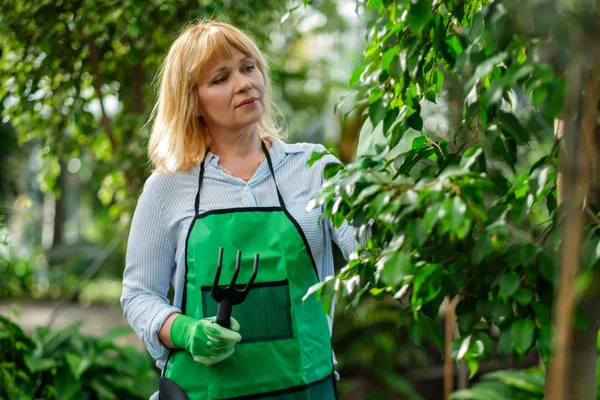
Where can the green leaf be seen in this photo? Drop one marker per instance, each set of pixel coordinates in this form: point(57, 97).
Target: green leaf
point(433, 332)
point(509, 283)
point(528, 381)
point(544, 343)
point(485, 68)
point(551, 202)
point(426, 285)
point(419, 15)
point(460, 347)
point(356, 75)
point(538, 179)
point(388, 56)
point(501, 312)
point(431, 217)
point(522, 333)
point(375, 4)
point(483, 391)
point(396, 266)
point(500, 148)
point(458, 212)
point(316, 288)
point(473, 365)
point(414, 331)
point(377, 111)
point(482, 249)
point(484, 344)
point(416, 232)
point(316, 156)
point(78, 364)
point(419, 141)
point(391, 117)
point(415, 121)
point(504, 342)
point(371, 140)
point(523, 296)
point(357, 296)
point(36, 364)
point(465, 322)
point(511, 125)
point(590, 252)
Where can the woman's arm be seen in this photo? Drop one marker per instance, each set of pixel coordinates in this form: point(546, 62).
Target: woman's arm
point(164, 335)
point(150, 263)
point(344, 237)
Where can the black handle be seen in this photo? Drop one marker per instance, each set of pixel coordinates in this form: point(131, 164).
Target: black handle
point(224, 313)
point(168, 390)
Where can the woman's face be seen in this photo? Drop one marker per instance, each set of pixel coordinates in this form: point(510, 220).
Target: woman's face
point(230, 93)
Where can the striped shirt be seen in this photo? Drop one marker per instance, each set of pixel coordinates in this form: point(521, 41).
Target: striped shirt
point(156, 246)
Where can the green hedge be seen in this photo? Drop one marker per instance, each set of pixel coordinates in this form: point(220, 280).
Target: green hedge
point(65, 364)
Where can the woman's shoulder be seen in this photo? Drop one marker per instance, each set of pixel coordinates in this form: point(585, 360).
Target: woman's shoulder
point(298, 148)
point(164, 183)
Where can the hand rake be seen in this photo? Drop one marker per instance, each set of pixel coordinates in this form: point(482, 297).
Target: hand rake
point(228, 296)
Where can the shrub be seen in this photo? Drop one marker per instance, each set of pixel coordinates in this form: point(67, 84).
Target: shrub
point(65, 364)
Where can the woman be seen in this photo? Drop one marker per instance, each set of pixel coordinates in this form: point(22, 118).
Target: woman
point(224, 179)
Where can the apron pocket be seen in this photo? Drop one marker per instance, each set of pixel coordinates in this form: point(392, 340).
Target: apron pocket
point(265, 315)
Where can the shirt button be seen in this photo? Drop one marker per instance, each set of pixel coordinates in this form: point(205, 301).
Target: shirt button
point(245, 188)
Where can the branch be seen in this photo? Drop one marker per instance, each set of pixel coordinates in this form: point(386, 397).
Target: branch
point(592, 216)
point(97, 82)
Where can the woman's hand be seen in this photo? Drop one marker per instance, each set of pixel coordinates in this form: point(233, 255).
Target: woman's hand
point(207, 341)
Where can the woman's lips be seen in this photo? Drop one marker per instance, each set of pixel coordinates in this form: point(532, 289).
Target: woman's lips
point(248, 103)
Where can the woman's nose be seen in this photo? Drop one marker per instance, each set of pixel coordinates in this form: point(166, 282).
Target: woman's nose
point(242, 83)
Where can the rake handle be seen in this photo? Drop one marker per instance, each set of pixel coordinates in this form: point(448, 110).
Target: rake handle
point(224, 313)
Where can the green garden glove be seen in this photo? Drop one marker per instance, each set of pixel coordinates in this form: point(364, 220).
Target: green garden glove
point(207, 341)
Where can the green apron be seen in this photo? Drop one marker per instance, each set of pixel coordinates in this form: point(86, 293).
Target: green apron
point(285, 352)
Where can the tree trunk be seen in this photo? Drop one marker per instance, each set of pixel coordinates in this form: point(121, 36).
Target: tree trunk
point(449, 335)
point(572, 372)
point(60, 215)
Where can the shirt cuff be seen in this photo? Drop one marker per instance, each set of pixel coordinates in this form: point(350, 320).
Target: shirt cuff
point(155, 347)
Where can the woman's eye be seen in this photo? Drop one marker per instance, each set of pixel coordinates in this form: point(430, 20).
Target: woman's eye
point(220, 80)
point(250, 68)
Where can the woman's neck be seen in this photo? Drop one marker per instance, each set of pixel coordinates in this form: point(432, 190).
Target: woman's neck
point(239, 155)
point(236, 146)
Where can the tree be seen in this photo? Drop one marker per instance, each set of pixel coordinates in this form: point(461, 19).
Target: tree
point(472, 210)
point(77, 78)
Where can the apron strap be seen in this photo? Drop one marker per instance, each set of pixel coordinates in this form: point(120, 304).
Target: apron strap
point(264, 147)
point(201, 178)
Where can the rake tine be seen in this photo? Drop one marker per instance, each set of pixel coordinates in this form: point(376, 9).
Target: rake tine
point(254, 272)
point(218, 274)
point(237, 268)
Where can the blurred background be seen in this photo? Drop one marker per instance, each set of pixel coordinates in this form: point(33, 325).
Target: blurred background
point(77, 87)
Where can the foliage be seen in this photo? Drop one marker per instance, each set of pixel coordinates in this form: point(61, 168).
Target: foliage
point(76, 77)
point(506, 385)
point(104, 291)
point(525, 384)
point(30, 276)
point(471, 212)
point(371, 350)
point(64, 364)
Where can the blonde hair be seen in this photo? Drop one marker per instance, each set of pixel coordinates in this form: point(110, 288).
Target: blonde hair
point(179, 137)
